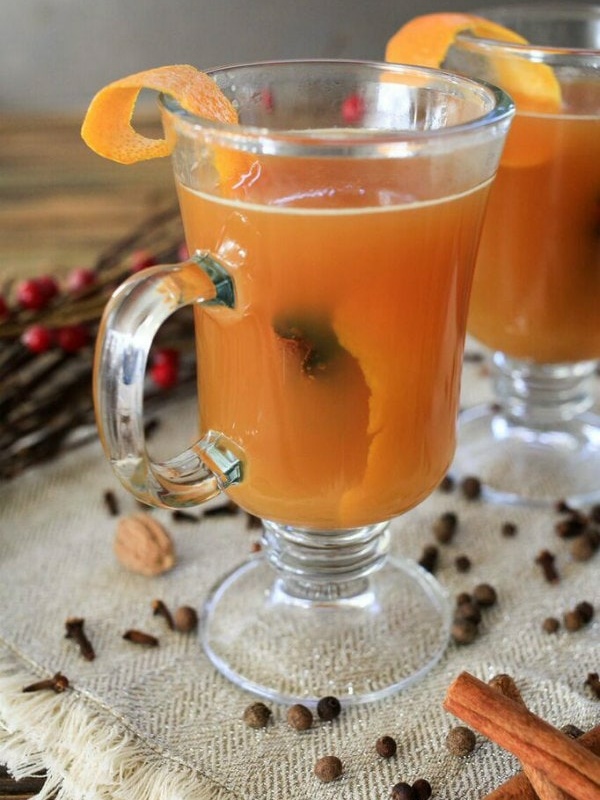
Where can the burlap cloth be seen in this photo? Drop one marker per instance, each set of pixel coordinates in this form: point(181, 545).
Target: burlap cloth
point(162, 723)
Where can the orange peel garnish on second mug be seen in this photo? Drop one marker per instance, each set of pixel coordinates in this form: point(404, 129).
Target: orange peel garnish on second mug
point(108, 131)
point(535, 89)
point(426, 41)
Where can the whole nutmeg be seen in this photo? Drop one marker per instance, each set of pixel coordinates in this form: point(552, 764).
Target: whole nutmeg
point(185, 619)
point(329, 708)
point(460, 741)
point(257, 715)
point(299, 717)
point(328, 768)
point(143, 545)
point(386, 746)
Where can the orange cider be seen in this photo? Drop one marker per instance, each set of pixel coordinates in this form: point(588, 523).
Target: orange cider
point(537, 281)
point(338, 370)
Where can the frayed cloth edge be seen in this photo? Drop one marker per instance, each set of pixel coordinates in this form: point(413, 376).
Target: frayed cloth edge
point(84, 751)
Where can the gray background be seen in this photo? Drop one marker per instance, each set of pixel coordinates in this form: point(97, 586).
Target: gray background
point(55, 54)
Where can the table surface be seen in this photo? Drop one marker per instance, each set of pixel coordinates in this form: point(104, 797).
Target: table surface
point(60, 206)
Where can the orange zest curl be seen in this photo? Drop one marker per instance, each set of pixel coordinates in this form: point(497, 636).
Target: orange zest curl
point(107, 127)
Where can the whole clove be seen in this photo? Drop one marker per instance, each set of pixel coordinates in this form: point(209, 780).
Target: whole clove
point(429, 558)
point(57, 683)
point(159, 609)
point(75, 631)
point(545, 560)
point(225, 510)
point(110, 501)
point(183, 516)
point(140, 637)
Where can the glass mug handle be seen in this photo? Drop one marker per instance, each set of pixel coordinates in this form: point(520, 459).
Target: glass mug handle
point(129, 323)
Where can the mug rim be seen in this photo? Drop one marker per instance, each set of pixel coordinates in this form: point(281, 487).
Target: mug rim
point(326, 142)
point(546, 11)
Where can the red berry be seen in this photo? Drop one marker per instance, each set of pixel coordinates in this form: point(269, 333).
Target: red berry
point(141, 259)
point(353, 108)
point(183, 252)
point(80, 278)
point(266, 100)
point(48, 286)
point(37, 338)
point(31, 295)
point(165, 355)
point(164, 374)
point(72, 338)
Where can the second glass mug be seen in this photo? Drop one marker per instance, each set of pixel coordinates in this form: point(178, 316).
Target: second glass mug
point(333, 234)
point(537, 281)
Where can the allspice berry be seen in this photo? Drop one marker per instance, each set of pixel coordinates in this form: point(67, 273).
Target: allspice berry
point(299, 717)
point(257, 715)
point(329, 708)
point(328, 768)
point(572, 731)
point(185, 619)
point(445, 527)
point(386, 746)
point(583, 548)
point(464, 631)
point(572, 620)
point(403, 791)
point(462, 563)
point(460, 741)
point(471, 487)
point(585, 611)
point(446, 484)
point(550, 625)
point(422, 789)
point(485, 594)
point(468, 610)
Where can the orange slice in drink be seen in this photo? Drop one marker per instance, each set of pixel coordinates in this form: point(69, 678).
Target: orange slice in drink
point(426, 40)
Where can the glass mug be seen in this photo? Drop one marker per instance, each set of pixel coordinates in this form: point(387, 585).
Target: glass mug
point(537, 281)
point(333, 234)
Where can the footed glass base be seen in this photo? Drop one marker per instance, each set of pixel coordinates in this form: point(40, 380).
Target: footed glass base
point(292, 640)
point(534, 466)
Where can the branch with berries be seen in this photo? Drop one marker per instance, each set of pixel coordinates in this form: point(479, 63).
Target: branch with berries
point(48, 326)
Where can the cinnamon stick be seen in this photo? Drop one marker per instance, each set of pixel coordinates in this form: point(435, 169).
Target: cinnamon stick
point(566, 762)
point(540, 783)
point(519, 788)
